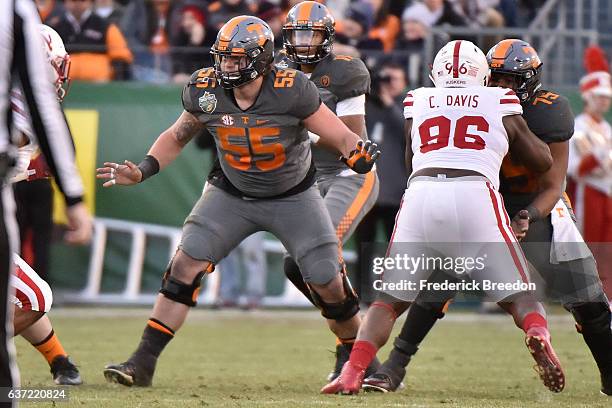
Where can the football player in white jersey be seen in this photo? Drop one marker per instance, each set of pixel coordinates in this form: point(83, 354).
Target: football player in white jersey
point(32, 297)
point(456, 136)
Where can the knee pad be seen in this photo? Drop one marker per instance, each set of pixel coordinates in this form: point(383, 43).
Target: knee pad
point(180, 292)
point(319, 265)
point(340, 311)
point(592, 318)
point(292, 272)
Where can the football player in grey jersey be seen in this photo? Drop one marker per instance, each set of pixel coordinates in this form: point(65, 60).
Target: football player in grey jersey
point(342, 82)
point(258, 116)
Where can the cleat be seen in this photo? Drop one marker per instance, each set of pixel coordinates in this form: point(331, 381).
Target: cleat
point(382, 382)
point(388, 378)
point(342, 356)
point(347, 383)
point(65, 372)
point(547, 363)
point(127, 374)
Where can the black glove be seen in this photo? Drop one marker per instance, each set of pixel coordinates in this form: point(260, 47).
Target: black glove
point(361, 160)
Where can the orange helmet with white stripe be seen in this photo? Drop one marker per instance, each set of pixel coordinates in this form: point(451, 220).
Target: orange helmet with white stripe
point(243, 51)
point(308, 32)
point(518, 60)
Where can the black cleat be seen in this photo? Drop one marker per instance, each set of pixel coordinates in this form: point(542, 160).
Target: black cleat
point(127, 374)
point(380, 382)
point(388, 378)
point(65, 372)
point(342, 356)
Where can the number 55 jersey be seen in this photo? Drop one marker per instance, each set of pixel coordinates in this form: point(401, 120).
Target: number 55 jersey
point(460, 128)
point(264, 150)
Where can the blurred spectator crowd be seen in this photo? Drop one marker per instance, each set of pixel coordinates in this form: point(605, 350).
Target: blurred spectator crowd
point(166, 40)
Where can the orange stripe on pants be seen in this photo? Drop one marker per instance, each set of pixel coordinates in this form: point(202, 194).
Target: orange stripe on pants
point(353, 211)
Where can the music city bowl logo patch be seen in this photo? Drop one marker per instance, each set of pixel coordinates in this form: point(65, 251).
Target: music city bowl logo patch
point(208, 102)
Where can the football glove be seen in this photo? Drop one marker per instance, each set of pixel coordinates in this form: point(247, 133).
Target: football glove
point(361, 160)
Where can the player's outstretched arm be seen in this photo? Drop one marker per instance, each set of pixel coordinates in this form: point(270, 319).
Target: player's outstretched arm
point(336, 136)
point(166, 148)
point(525, 146)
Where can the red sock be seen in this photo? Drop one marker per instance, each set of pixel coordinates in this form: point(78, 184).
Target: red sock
point(362, 355)
point(534, 319)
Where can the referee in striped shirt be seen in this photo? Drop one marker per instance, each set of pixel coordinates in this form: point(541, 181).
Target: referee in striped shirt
point(23, 64)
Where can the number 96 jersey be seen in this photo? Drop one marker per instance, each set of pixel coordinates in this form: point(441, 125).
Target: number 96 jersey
point(460, 128)
point(264, 150)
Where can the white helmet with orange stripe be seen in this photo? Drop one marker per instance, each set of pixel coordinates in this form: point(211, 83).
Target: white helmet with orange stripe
point(460, 64)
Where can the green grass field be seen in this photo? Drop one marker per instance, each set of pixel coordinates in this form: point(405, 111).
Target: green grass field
point(280, 359)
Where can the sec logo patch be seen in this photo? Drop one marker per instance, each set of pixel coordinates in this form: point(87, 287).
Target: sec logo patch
point(227, 120)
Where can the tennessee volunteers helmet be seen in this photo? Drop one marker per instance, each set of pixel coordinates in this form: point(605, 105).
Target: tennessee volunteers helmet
point(518, 60)
point(308, 32)
point(58, 58)
point(249, 42)
point(459, 64)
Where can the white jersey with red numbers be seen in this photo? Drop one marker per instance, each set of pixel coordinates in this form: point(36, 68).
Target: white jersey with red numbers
point(31, 292)
point(456, 218)
point(460, 128)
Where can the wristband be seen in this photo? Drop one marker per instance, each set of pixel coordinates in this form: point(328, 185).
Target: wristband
point(534, 214)
point(149, 166)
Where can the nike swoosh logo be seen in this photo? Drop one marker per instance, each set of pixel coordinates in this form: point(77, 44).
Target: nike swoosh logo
point(261, 122)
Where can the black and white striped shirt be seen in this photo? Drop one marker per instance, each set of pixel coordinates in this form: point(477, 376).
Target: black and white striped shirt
point(23, 63)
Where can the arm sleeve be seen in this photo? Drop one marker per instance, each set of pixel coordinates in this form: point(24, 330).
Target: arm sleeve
point(409, 105)
point(48, 122)
point(509, 103)
point(560, 120)
point(351, 106)
point(353, 79)
point(187, 95)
